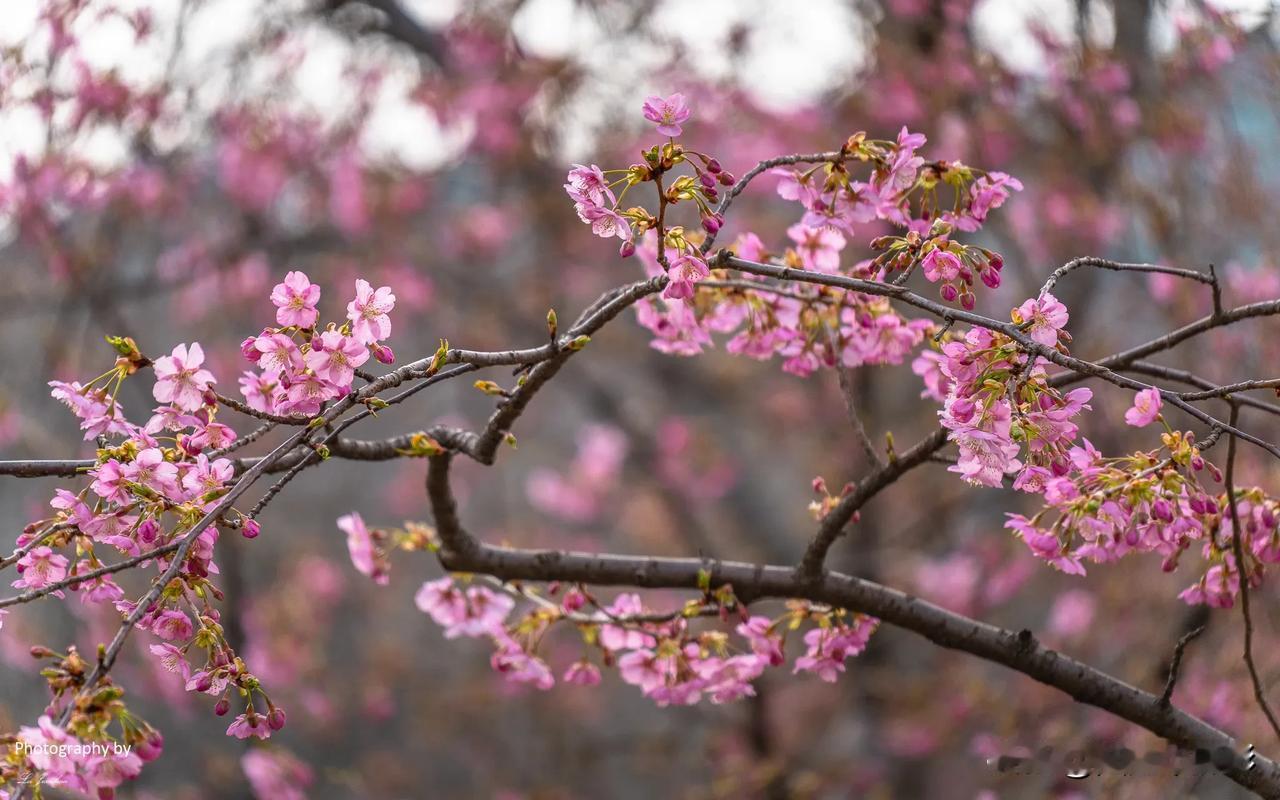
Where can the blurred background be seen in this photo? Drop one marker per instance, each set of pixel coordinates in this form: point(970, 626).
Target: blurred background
point(162, 164)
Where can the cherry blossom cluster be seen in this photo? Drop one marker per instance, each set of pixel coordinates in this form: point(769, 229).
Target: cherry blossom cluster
point(1153, 502)
point(149, 487)
point(94, 764)
point(300, 366)
point(903, 191)
point(999, 408)
point(663, 655)
point(809, 327)
point(1009, 423)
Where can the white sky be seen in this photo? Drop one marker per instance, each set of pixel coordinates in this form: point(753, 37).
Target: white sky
point(796, 52)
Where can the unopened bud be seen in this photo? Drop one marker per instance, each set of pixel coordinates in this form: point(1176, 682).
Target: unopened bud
point(383, 354)
point(553, 324)
point(275, 719)
point(222, 707)
point(251, 529)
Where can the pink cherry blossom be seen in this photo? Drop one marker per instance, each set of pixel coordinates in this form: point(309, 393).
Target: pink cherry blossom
point(369, 312)
point(41, 567)
point(685, 271)
point(172, 625)
point(180, 379)
point(150, 469)
point(334, 357)
point(246, 725)
point(363, 553)
point(819, 248)
point(1146, 408)
point(668, 113)
point(295, 299)
point(582, 673)
point(1046, 316)
point(279, 354)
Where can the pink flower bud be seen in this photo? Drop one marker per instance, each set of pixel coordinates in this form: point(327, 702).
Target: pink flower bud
point(714, 167)
point(204, 682)
point(968, 301)
point(383, 354)
point(149, 749)
point(706, 180)
point(148, 531)
point(275, 719)
point(223, 706)
point(249, 351)
point(996, 261)
point(251, 529)
point(710, 225)
point(628, 249)
point(574, 600)
point(991, 278)
point(949, 292)
point(726, 179)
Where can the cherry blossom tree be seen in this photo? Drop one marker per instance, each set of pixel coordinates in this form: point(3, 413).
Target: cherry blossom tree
point(244, 264)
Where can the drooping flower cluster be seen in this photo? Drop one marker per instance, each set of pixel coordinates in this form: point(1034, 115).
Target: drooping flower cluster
point(1011, 424)
point(1023, 432)
point(661, 654)
point(301, 367)
point(809, 327)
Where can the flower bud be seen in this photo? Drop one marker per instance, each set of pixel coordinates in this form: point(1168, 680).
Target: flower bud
point(726, 179)
point(628, 249)
point(275, 719)
point(249, 351)
point(383, 354)
point(968, 301)
point(251, 529)
point(204, 682)
point(991, 278)
point(574, 600)
point(148, 531)
point(706, 180)
point(223, 706)
point(949, 292)
point(714, 167)
point(710, 225)
point(149, 749)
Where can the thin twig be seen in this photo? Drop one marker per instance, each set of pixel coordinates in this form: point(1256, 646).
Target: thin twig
point(1242, 570)
point(1176, 663)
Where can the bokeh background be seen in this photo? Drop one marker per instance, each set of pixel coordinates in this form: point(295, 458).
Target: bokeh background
point(162, 164)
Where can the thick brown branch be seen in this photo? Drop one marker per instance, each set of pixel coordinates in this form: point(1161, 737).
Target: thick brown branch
point(751, 582)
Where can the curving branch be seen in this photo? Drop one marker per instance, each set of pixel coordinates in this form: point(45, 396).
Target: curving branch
point(461, 552)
